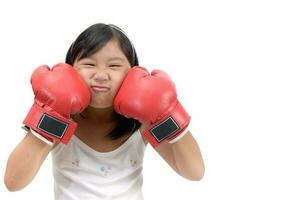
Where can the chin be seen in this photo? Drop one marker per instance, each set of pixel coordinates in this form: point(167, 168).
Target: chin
point(101, 105)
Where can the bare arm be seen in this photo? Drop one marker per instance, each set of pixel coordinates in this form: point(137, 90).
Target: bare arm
point(25, 161)
point(183, 156)
point(188, 158)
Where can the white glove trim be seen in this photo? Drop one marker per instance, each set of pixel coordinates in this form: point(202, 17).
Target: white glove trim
point(179, 137)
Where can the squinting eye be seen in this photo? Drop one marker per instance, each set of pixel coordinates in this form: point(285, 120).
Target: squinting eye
point(114, 65)
point(89, 64)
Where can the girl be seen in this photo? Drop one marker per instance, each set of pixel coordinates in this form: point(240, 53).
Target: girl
point(99, 153)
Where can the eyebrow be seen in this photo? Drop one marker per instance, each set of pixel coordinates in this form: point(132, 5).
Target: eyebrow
point(109, 59)
point(116, 58)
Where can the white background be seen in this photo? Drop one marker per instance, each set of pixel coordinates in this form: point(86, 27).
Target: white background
point(235, 64)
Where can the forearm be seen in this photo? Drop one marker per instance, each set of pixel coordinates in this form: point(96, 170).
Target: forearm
point(24, 162)
point(188, 158)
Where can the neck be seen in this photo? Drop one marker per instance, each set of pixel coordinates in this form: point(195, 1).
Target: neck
point(99, 115)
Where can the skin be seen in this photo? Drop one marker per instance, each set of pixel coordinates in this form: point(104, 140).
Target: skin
point(183, 156)
point(107, 67)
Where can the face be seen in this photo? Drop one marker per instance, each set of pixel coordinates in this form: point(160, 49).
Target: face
point(104, 72)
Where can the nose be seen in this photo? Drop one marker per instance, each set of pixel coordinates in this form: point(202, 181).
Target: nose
point(101, 75)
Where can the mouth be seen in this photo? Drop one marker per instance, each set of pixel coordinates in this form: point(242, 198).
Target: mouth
point(98, 88)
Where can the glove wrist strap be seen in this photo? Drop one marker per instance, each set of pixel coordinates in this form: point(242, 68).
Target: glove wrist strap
point(168, 128)
point(50, 124)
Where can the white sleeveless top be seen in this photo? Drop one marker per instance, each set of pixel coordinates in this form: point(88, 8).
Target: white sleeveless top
point(83, 173)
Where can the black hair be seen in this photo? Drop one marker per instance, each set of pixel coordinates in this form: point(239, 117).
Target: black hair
point(89, 42)
point(95, 37)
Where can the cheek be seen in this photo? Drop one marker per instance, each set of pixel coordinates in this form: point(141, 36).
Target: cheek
point(83, 74)
point(119, 79)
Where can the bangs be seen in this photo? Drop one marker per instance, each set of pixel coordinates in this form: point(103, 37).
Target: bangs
point(89, 42)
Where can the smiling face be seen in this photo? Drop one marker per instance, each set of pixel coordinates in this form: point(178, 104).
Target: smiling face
point(104, 72)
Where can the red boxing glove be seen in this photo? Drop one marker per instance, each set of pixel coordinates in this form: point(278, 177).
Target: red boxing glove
point(59, 92)
point(152, 99)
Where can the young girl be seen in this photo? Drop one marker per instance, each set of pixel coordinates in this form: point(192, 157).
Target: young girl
point(96, 114)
